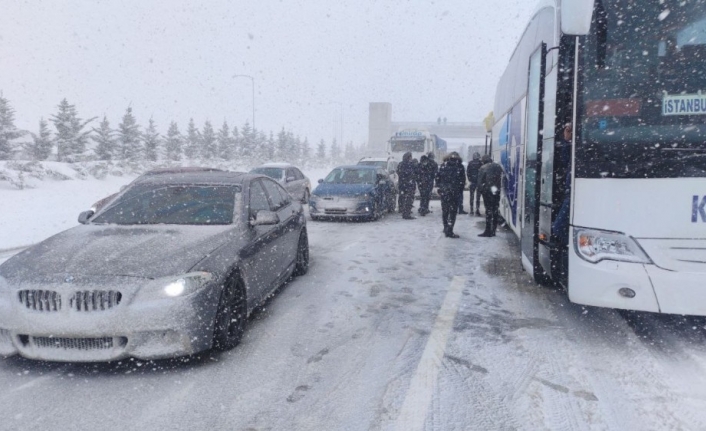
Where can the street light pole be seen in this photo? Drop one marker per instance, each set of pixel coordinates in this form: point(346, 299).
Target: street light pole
point(252, 80)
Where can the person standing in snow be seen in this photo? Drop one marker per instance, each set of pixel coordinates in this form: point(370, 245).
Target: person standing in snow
point(472, 174)
point(406, 173)
point(426, 173)
point(489, 181)
point(450, 180)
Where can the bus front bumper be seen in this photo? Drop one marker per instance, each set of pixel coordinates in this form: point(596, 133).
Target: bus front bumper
point(655, 289)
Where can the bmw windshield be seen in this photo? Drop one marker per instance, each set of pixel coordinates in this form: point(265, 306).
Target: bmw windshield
point(174, 204)
point(643, 98)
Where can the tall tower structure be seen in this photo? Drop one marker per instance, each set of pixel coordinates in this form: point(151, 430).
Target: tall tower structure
point(379, 125)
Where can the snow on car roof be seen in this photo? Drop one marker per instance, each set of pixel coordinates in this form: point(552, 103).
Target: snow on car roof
point(276, 165)
point(200, 177)
point(361, 167)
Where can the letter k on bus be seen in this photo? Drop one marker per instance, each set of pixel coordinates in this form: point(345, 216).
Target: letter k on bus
point(698, 209)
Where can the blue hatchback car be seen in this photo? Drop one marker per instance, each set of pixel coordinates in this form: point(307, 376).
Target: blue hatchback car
point(353, 192)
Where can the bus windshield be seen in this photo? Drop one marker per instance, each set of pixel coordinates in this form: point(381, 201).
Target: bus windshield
point(643, 94)
point(400, 146)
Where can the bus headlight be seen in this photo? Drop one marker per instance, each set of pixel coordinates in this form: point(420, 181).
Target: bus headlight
point(597, 245)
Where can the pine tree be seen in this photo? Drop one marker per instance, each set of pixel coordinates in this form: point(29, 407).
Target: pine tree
point(173, 142)
point(41, 145)
point(306, 152)
point(104, 137)
point(8, 131)
point(321, 151)
point(270, 145)
point(335, 152)
point(152, 140)
point(237, 143)
point(209, 144)
point(294, 148)
point(193, 140)
point(129, 137)
point(282, 146)
point(70, 137)
point(247, 143)
point(225, 143)
point(261, 147)
point(361, 151)
point(349, 152)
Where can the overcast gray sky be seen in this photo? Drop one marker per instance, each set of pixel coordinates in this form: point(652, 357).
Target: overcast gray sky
point(173, 60)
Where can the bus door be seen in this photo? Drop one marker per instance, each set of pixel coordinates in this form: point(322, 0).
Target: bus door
point(558, 108)
point(533, 162)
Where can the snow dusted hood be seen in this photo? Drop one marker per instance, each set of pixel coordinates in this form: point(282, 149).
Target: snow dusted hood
point(148, 251)
point(344, 190)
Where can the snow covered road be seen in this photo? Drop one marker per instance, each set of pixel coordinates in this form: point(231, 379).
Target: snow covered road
point(395, 327)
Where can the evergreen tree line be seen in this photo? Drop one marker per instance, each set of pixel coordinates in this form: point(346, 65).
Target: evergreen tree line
point(74, 140)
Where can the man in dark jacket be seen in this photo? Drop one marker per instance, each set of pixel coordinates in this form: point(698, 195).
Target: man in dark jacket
point(406, 174)
point(489, 182)
point(426, 172)
point(450, 180)
point(472, 173)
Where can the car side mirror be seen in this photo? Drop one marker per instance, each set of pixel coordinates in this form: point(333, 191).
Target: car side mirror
point(265, 218)
point(85, 216)
point(290, 179)
point(321, 181)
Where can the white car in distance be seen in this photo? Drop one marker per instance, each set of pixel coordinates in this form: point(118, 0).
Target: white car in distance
point(289, 176)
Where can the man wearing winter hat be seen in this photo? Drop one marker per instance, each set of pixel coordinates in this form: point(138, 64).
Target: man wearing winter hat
point(472, 174)
point(489, 182)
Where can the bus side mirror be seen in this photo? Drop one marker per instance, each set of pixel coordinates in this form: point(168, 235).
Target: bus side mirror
point(576, 16)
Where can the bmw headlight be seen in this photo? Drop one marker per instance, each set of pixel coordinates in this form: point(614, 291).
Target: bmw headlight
point(596, 245)
point(173, 287)
point(187, 284)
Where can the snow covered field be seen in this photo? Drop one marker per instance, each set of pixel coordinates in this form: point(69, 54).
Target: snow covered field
point(394, 328)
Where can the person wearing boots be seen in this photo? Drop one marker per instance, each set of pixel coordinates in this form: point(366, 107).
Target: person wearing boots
point(489, 181)
point(472, 174)
point(426, 172)
point(450, 180)
point(406, 173)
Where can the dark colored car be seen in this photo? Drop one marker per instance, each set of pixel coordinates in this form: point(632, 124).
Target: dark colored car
point(353, 192)
point(173, 266)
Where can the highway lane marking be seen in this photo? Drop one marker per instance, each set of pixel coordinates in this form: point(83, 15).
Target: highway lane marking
point(349, 246)
point(421, 389)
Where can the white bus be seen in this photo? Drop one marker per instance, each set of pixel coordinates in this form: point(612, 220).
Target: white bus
point(630, 77)
point(418, 142)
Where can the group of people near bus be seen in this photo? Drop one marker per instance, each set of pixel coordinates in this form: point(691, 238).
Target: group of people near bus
point(484, 178)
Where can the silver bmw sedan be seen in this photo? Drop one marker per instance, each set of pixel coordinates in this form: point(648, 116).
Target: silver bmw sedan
point(172, 266)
